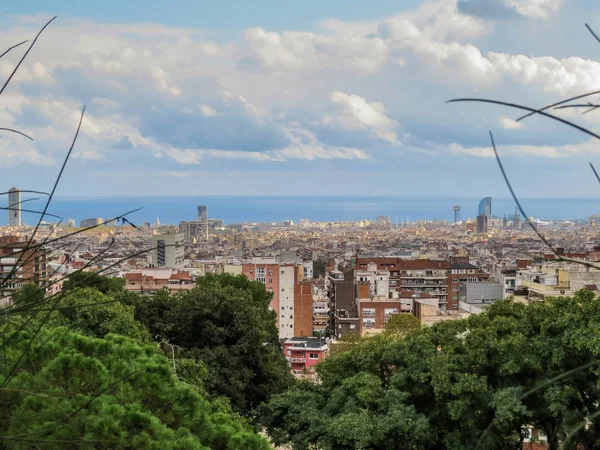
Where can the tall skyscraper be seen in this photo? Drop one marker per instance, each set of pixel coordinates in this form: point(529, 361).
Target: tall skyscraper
point(456, 209)
point(14, 207)
point(202, 213)
point(485, 207)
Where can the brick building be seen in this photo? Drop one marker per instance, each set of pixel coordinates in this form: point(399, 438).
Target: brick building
point(19, 266)
point(429, 278)
point(292, 294)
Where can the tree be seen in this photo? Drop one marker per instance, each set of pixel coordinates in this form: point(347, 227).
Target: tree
point(464, 384)
point(226, 323)
point(399, 325)
point(77, 391)
point(104, 284)
point(85, 310)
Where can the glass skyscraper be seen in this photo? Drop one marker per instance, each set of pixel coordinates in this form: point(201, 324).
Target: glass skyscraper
point(485, 207)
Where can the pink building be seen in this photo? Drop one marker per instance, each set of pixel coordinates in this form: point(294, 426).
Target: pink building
point(149, 281)
point(304, 353)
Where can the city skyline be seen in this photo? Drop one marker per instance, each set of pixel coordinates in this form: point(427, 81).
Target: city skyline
point(276, 97)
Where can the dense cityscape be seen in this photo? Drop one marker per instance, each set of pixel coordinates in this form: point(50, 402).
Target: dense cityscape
point(328, 278)
point(283, 282)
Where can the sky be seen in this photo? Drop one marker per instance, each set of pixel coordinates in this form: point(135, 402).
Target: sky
point(272, 97)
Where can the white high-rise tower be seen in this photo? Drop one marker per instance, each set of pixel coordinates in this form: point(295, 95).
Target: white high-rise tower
point(14, 207)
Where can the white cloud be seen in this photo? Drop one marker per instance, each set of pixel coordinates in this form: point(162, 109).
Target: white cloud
point(535, 9)
point(184, 156)
point(510, 124)
point(207, 111)
point(269, 96)
point(543, 151)
point(355, 113)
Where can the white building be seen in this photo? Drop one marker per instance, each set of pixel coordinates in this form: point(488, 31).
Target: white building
point(168, 250)
point(286, 302)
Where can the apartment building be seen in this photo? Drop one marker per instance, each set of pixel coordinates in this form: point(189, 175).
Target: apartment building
point(149, 281)
point(422, 276)
point(343, 310)
point(460, 270)
point(292, 294)
point(303, 354)
point(20, 266)
point(168, 250)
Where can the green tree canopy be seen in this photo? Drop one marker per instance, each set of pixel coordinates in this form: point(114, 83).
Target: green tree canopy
point(465, 384)
point(399, 325)
point(85, 310)
point(104, 284)
point(75, 391)
point(226, 323)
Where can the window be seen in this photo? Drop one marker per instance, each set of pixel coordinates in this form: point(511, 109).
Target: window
point(282, 272)
point(282, 308)
point(282, 289)
point(313, 356)
point(390, 311)
point(270, 280)
point(251, 271)
point(368, 323)
point(270, 273)
point(283, 316)
point(260, 272)
point(291, 317)
point(368, 312)
point(455, 280)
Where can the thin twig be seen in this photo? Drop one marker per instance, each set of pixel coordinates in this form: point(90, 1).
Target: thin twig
point(595, 173)
point(533, 227)
point(16, 131)
point(526, 108)
point(562, 102)
point(592, 31)
point(13, 47)
point(25, 55)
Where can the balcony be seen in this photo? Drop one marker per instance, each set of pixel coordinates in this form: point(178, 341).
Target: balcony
point(296, 360)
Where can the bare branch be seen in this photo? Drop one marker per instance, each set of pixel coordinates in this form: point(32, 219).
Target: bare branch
point(533, 227)
point(595, 173)
point(25, 55)
point(16, 131)
point(592, 31)
point(562, 102)
point(526, 108)
point(13, 47)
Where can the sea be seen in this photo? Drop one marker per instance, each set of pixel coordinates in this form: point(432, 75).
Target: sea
point(240, 209)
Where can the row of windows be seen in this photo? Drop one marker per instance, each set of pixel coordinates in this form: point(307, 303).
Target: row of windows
point(261, 271)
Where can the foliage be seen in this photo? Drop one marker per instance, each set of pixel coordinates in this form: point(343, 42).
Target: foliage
point(399, 325)
point(346, 343)
point(82, 279)
point(465, 384)
point(226, 323)
point(111, 392)
point(85, 310)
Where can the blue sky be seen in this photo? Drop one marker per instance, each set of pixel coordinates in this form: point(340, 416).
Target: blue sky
point(218, 16)
point(293, 98)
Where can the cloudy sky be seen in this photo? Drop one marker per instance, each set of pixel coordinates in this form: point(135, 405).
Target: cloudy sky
point(294, 98)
